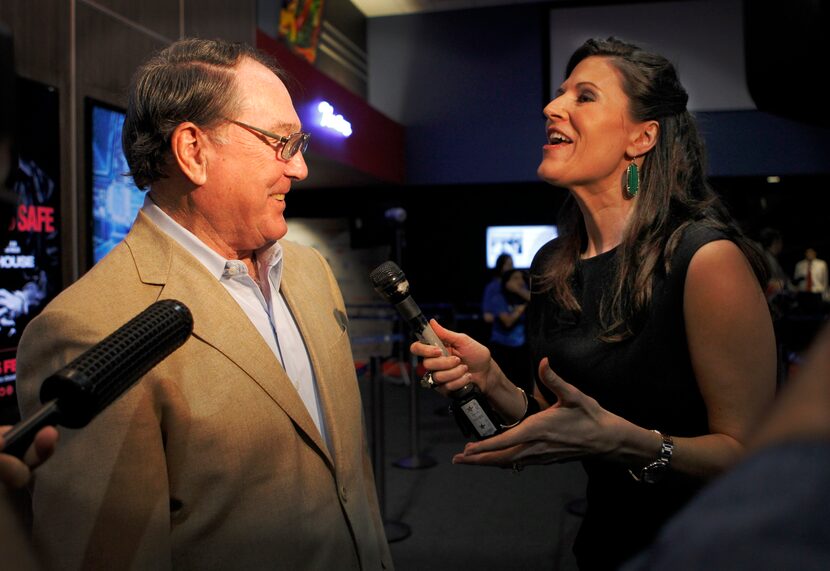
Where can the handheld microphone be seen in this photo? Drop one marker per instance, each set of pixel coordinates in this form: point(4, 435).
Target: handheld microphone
point(78, 392)
point(391, 283)
point(471, 410)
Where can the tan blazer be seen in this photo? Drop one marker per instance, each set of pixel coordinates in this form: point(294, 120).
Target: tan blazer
point(211, 461)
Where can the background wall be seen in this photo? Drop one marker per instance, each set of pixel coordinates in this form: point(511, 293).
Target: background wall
point(703, 38)
point(470, 86)
point(469, 89)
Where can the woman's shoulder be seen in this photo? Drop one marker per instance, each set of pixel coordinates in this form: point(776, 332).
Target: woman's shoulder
point(692, 238)
point(543, 255)
point(699, 233)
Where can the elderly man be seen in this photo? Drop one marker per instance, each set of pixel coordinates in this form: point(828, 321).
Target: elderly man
point(245, 449)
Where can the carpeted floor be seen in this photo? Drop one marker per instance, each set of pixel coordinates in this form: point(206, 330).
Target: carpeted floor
point(464, 517)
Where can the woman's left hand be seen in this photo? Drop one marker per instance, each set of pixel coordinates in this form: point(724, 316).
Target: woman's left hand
point(575, 427)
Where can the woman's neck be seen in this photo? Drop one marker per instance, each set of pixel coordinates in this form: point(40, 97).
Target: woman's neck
point(606, 215)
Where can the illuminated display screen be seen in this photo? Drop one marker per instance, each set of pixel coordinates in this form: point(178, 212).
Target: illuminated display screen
point(521, 242)
point(115, 200)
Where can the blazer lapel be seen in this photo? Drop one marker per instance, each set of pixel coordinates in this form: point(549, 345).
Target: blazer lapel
point(217, 318)
point(311, 306)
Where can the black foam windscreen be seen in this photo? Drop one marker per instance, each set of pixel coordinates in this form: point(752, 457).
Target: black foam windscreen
point(786, 53)
point(390, 282)
point(91, 382)
point(74, 395)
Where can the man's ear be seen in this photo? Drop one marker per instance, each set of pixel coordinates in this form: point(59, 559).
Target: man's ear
point(645, 137)
point(188, 145)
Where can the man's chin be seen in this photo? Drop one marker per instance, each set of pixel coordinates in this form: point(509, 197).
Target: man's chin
point(277, 233)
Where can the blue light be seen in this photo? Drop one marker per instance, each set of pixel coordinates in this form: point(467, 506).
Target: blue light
point(331, 121)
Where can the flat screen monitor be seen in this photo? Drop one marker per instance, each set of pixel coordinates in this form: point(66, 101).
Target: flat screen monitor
point(521, 242)
point(115, 200)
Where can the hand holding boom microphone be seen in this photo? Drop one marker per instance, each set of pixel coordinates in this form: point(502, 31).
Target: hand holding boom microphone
point(75, 395)
point(471, 410)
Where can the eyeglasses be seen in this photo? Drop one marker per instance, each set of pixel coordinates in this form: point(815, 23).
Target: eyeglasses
point(293, 143)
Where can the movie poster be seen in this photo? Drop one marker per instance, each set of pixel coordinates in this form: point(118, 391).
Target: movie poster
point(30, 262)
point(300, 22)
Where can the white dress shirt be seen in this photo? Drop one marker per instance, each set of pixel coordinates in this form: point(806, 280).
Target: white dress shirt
point(818, 275)
point(266, 308)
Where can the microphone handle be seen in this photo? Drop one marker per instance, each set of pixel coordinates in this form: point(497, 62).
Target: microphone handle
point(425, 333)
point(419, 325)
point(472, 412)
point(17, 440)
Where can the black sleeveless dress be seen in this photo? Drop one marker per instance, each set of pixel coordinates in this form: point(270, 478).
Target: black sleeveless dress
point(646, 379)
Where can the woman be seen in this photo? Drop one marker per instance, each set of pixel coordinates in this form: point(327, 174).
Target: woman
point(648, 308)
point(492, 291)
point(508, 341)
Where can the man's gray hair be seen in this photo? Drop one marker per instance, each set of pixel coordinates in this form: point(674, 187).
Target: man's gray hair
point(190, 80)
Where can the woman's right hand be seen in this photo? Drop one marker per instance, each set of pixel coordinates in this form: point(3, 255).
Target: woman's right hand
point(468, 361)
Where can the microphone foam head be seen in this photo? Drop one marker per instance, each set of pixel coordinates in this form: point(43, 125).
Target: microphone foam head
point(390, 282)
point(96, 378)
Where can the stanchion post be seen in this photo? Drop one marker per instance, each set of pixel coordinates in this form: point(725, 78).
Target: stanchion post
point(395, 530)
point(415, 460)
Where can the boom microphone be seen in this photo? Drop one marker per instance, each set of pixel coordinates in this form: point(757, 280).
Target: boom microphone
point(471, 410)
point(78, 392)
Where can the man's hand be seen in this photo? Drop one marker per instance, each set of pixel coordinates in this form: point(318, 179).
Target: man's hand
point(16, 473)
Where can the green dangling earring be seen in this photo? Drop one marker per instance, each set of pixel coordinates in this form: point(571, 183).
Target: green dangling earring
point(632, 180)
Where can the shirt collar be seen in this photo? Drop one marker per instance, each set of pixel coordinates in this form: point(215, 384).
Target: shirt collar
point(268, 257)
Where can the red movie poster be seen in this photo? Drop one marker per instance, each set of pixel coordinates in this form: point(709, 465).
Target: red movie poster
point(30, 264)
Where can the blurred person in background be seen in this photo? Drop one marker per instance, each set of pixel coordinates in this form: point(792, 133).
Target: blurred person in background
point(508, 341)
point(811, 274)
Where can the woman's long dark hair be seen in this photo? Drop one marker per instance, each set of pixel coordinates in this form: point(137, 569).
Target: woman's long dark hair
point(673, 194)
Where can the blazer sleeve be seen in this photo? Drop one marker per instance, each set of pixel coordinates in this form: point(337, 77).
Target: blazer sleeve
point(102, 500)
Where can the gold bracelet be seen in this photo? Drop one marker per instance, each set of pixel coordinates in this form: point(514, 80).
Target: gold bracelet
point(524, 414)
